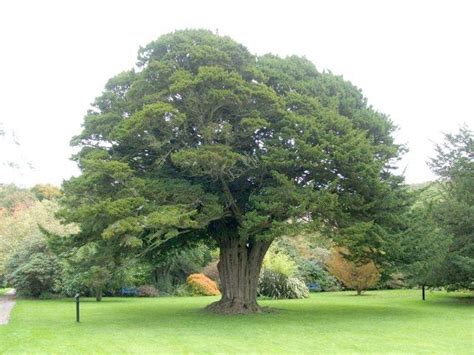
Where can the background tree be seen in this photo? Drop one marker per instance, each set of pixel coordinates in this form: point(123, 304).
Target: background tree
point(14, 198)
point(420, 251)
point(46, 191)
point(33, 269)
point(21, 215)
point(454, 164)
point(88, 269)
point(97, 279)
point(206, 141)
point(354, 276)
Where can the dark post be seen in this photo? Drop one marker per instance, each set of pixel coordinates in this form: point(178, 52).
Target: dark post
point(423, 292)
point(77, 306)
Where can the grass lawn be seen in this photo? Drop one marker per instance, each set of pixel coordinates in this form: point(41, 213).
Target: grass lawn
point(379, 322)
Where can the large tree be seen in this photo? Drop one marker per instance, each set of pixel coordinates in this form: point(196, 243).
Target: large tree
point(454, 164)
point(420, 250)
point(205, 141)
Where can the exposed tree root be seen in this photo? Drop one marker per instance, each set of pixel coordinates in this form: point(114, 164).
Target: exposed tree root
point(234, 307)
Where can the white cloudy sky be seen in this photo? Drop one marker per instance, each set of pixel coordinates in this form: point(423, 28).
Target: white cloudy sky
point(412, 59)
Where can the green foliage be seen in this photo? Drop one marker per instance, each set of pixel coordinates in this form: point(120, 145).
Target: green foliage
point(426, 193)
point(97, 278)
point(22, 219)
point(280, 286)
point(312, 272)
point(33, 269)
point(421, 249)
point(46, 295)
point(92, 269)
point(172, 267)
point(309, 252)
point(194, 119)
point(454, 164)
point(280, 263)
point(13, 197)
point(396, 280)
point(277, 278)
point(206, 141)
point(46, 191)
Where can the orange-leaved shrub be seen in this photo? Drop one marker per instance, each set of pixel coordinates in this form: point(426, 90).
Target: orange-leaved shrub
point(358, 277)
point(202, 285)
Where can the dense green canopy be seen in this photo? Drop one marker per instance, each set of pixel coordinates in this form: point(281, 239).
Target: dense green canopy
point(205, 140)
point(454, 164)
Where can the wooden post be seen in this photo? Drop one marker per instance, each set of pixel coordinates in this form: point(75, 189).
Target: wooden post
point(77, 296)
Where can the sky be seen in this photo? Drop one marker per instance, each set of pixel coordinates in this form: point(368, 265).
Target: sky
point(413, 60)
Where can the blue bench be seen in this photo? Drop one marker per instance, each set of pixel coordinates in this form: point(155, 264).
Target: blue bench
point(314, 287)
point(129, 291)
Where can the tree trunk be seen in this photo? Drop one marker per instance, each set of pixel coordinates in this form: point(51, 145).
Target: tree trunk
point(98, 294)
point(239, 269)
point(359, 291)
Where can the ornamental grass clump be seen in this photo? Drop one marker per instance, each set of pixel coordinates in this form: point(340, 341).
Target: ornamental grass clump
point(277, 279)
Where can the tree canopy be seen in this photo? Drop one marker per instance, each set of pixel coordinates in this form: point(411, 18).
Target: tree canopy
point(454, 164)
point(203, 140)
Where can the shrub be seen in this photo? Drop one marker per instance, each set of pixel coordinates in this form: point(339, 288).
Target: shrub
point(174, 265)
point(312, 272)
point(33, 270)
point(72, 281)
point(92, 270)
point(277, 285)
point(396, 280)
point(46, 296)
point(277, 279)
point(147, 291)
point(280, 263)
point(352, 275)
point(201, 285)
point(183, 291)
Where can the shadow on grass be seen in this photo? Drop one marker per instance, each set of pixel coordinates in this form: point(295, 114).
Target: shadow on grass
point(452, 301)
point(106, 300)
point(190, 312)
point(184, 316)
point(86, 300)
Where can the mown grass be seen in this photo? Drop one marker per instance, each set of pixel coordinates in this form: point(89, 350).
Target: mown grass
point(379, 322)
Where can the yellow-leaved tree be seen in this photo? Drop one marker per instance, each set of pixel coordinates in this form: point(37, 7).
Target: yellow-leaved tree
point(353, 275)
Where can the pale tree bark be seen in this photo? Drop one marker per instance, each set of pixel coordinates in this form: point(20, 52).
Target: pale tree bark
point(239, 269)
